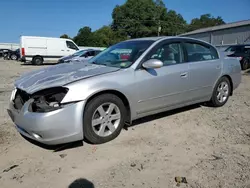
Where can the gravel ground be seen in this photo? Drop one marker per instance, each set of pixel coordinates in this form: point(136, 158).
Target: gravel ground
point(208, 146)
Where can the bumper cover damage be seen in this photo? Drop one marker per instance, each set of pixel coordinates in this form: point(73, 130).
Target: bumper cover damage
point(43, 118)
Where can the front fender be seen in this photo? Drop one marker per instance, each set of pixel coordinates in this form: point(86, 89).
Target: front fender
point(85, 89)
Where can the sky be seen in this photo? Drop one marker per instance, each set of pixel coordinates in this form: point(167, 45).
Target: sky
point(52, 18)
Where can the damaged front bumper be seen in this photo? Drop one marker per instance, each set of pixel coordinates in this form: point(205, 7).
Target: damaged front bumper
point(59, 126)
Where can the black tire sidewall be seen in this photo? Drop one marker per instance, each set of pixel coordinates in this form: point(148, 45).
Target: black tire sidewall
point(34, 61)
point(245, 64)
point(92, 105)
point(214, 99)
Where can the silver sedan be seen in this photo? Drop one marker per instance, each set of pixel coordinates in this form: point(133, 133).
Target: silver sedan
point(127, 81)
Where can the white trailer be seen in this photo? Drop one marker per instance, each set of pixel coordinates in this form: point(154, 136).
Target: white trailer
point(39, 49)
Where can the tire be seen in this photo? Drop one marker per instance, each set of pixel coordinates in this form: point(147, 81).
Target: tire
point(13, 57)
point(37, 60)
point(245, 64)
point(94, 134)
point(5, 56)
point(215, 102)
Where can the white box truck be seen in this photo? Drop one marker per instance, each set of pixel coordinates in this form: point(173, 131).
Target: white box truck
point(39, 49)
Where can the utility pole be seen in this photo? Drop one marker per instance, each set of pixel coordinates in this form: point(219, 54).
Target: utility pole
point(159, 28)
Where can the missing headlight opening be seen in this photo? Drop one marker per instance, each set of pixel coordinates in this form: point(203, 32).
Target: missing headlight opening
point(48, 100)
point(44, 101)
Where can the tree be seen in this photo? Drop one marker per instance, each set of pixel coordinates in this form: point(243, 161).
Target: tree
point(173, 24)
point(105, 37)
point(142, 18)
point(205, 20)
point(83, 37)
point(138, 18)
point(65, 36)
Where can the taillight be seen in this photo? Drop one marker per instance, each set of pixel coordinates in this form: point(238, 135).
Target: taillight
point(240, 58)
point(23, 52)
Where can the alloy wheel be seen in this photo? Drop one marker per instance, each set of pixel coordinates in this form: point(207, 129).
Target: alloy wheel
point(106, 119)
point(222, 92)
point(13, 57)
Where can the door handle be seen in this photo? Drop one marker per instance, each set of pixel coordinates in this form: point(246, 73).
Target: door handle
point(184, 74)
point(62, 50)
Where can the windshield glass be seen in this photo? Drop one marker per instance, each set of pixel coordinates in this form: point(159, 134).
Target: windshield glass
point(123, 54)
point(231, 49)
point(79, 53)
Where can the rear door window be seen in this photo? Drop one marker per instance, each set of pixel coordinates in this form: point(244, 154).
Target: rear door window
point(199, 52)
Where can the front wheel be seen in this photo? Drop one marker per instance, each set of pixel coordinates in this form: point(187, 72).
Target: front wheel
point(104, 118)
point(221, 92)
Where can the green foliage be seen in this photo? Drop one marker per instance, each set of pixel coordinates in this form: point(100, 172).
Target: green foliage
point(102, 37)
point(174, 24)
point(205, 20)
point(105, 36)
point(65, 36)
point(141, 18)
point(137, 18)
point(84, 37)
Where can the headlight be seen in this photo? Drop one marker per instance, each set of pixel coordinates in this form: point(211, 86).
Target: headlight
point(13, 93)
point(48, 100)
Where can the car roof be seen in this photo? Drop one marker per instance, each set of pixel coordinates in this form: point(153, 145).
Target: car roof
point(240, 45)
point(164, 37)
point(147, 38)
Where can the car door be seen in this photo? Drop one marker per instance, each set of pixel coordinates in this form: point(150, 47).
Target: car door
point(163, 87)
point(204, 69)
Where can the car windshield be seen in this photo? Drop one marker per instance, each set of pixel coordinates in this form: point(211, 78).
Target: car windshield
point(79, 53)
point(231, 49)
point(121, 55)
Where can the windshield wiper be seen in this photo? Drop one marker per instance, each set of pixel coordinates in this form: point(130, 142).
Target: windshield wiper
point(99, 63)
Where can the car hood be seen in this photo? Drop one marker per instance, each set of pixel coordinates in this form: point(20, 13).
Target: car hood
point(66, 57)
point(59, 75)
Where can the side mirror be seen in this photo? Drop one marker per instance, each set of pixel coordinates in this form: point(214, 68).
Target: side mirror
point(152, 64)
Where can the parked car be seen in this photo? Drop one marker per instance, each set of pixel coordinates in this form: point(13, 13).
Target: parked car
point(93, 100)
point(14, 55)
point(241, 51)
point(80, 55)
point(4, 52)
point(38, 49)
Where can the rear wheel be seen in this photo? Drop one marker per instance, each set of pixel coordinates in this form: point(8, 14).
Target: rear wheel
point(37, 60)
point(245, 64)
point(221, 92)
point(13, 57)
point(104, 118)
